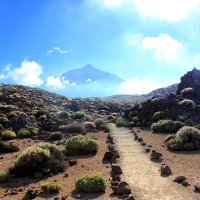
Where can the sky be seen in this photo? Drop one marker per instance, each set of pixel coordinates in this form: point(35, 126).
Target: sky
point(148, 43)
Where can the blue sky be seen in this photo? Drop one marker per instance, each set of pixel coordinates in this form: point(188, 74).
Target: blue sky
point(148, 43)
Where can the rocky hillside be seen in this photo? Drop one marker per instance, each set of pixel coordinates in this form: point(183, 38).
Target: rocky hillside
point(183, 106)
point(158, 93)
point(22, 106)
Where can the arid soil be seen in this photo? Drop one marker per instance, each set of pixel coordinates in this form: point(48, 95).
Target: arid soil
point(86, 165)
point(143, 175)
point(181, 162)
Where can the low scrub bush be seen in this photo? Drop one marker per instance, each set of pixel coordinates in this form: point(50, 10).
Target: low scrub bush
point(4, 120)
point(187, 91)
point(23, 133)
point(81, 145)
point(187, 103)
point(72, 128)
point(64, 114)
point(8, 135)
point(43, 158)
point(55, 136)
point(79, 115)
point(166, 126)
point(8, 147)
point(89, 126)
point(4, 176)
point(51, 187)
point(33, 130)
point(121, 122)
point(158, 116)
point(187, 139)
point(99, 123)
point(91, 184)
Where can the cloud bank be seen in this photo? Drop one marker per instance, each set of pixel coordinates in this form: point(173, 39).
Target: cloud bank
point(138, 86)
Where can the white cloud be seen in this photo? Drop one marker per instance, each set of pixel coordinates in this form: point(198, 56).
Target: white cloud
point(164, 47)
point(27, 74)
point(89, 80)
point(73, 84)
point(138, 86)
point(107, 3)
point(55, 82)
point(57, 49)
point(170, 10)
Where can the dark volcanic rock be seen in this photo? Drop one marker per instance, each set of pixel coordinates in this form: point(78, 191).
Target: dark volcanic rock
point(190, 80)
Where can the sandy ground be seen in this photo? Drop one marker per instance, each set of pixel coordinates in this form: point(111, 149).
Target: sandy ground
point(143, 175)
point(86, 165)
point(182, 162)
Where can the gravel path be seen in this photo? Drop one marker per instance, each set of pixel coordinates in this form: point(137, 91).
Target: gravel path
point(142, 174)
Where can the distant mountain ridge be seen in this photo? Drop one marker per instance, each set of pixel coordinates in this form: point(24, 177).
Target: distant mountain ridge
point(88, 81)
point(89, 73)
point(158, 93)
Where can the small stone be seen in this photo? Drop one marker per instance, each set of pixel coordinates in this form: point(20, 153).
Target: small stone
point(165, 170)
point(66, 175)
point(114, 183)
point(56, 198)
point(116, 178)
point(185, 183)
point(64, 197)
point(197, 187)
point(147, 150)
point(130, 197)
point(179, 179)
point(140, 140)
point(115, 189)
point(155, 155)
point(13, 192)
point(124, 188)
point(116, 169)
point(78, 196)
point(72, 162)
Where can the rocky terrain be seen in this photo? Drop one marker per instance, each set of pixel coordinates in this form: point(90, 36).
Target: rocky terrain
point(183, 106)
point(53, 147)
point(132, 99)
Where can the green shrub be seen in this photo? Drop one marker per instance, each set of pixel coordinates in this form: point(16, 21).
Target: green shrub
point(43, 158)
point(187, 139)
point(4, 120)
point(23, 133)
point(72, 128)
point(51, 187)
point(8, 135)
point(55, 136)
point(187, 91)
point(187, 102)
point(89, 126)
point(166, 126)
point(7, 147)
point(158, 116)
point(4, 176)
point(99, 123)
point(91, 184)
point(81, 145)
point(64, 114)
point(33, 130)
point(79, 115)
point(121, 122)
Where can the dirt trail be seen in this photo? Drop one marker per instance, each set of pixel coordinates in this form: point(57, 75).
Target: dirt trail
point(142, 174)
